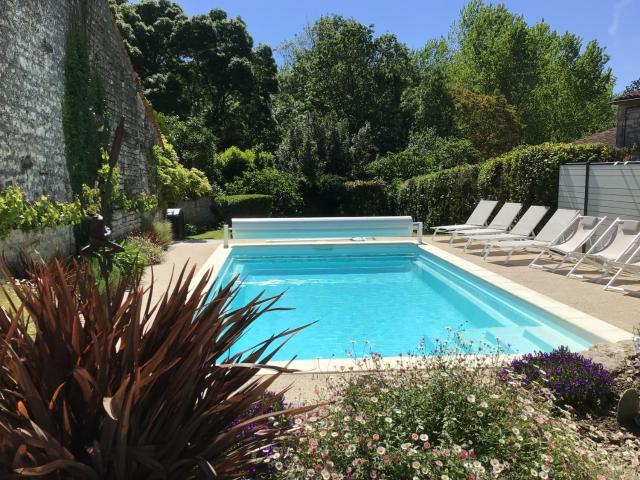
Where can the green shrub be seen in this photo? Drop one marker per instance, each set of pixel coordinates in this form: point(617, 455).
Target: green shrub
point(323, 197)
point(149, 251)
point(175, 181)
point(439, 198)
point(365, 198)
point(283, 187)
point(234, 162)
point(227, 207)
point(529, 174)
point(161, 233)
point(444, 417)
point(426, 153)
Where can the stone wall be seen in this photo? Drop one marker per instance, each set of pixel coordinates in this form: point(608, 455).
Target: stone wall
point(32, 151)
point(198, 212)
point(32, 44)
point(48, 244)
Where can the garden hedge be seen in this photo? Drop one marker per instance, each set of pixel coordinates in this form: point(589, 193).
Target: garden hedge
point(365, 198)
point(227, 207)
point(526, 174)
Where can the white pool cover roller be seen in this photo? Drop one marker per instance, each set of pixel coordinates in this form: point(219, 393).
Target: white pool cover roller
point(321, 227)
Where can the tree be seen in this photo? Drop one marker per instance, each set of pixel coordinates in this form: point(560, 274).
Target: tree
point(202, 66)
point(632, 87)
point(492, 125)
point(338, 67)
point(560, 88)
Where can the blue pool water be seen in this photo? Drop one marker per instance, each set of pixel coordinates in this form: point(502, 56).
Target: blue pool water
point(382, 298)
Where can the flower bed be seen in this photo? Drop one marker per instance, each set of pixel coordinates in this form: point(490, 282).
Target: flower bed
point(447, 418)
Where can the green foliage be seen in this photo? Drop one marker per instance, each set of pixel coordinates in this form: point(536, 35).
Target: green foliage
point(338, 67)
point(227, 207)
point(162, 232)
point(84, 119)
point(439, 197)
point(194, 143)
point(175, 181)
point(102, 369)
point(529, 174)
point(441, 417)
point(426, 153)
point(559, 86)
point(205, 67)
point(146, 249)
point(491, 124)
point(234, 162)
point(365, 198)
point(18, 214)
point(283, 187)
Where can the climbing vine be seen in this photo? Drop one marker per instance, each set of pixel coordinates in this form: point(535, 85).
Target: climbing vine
point(84, 117)
point(18, 214)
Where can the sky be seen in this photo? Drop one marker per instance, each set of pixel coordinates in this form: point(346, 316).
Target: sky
point(614, 23)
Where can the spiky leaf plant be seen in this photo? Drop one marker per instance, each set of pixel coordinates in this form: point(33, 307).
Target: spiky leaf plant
point(123, 389)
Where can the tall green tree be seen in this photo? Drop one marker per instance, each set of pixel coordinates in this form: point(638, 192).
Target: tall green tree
point(559, 86)
point(338, 67)
point(202, 66)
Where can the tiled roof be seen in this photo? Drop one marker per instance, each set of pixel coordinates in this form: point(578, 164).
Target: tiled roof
point(625, 97)
point(607, 137)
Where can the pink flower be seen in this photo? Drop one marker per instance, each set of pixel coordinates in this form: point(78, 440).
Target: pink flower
point(463, 455)
point(373, 474)
point(439, 464)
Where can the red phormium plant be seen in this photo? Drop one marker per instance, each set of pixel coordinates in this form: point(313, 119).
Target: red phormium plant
point(122, 389)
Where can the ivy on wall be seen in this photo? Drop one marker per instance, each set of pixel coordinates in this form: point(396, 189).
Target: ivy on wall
point(84, 117)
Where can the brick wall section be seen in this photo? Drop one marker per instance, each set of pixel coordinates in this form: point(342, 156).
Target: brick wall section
point(32, 48)
point(629, 124)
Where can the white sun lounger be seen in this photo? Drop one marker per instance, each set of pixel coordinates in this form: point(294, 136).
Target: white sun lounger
point(522, 230)
point(499, 224)
point(478, 218)
point(559, 222)
point(614, 245)
point(569, 249)
point(631, 267)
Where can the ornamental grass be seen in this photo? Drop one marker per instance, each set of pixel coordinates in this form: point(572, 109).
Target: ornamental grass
point(113, 387)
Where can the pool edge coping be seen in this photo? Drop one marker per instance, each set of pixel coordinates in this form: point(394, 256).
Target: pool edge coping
point(600, 329)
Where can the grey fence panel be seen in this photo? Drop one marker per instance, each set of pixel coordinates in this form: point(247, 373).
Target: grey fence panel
point(614, 190)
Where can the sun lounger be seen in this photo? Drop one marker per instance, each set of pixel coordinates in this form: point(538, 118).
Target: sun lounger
point(614, 245)
point(478, 218)
point(503, 219)
point(569, 248)
point(522, 230)
point(559, 222)
point(631, 267)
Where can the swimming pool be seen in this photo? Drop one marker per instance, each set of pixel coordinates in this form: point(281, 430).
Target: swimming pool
point(383, 298)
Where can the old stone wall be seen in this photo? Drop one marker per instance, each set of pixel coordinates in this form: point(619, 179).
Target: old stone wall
point(32, 44)
point(198, 212)
point(32, 150)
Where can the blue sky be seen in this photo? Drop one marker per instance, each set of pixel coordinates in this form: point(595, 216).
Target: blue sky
point(614, 23)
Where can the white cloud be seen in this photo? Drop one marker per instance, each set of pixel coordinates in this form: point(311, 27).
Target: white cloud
point(618, 10)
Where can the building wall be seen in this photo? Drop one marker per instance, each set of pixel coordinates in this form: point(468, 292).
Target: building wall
point(32, 151)
point(628, 131)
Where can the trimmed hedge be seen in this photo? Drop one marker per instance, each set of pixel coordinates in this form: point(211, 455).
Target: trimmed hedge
point(439, 198)
point(365, 198)
point(227, 207)
point(527, 174)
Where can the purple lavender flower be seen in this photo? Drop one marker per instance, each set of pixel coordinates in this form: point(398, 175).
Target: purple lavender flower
point(575, 381)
